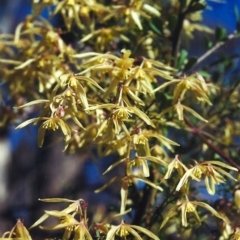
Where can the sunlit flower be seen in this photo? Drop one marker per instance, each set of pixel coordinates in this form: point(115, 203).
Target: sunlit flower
point(137, 162)
point(237, 198)
point(190, 24)
point(235, 236)
point(132, 14)
point(145, 135)
point(104, 37)
point(75, 89)
point(179, 108)
point(189, 207)
point(194, 173)
point(194, 83)
point(70, 13)
point(123, 230)
point(177, 164)
point(54, 123)
point(18, 232)
point(212, 172)
point(70, 224)
point(119, 114)
point(75, 207)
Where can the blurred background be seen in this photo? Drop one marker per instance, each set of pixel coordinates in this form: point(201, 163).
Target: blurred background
point(28, 173)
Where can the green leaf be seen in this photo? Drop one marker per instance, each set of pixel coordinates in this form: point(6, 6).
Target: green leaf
point(154, 28)
point(220, 34)
point(182, 58)
point(208, 43)
point(204, 74)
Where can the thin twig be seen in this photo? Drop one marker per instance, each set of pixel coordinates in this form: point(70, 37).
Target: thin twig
point(214, 49)
point(197, 132)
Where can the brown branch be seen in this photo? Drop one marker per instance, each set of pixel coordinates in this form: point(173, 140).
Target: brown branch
point(197, 132)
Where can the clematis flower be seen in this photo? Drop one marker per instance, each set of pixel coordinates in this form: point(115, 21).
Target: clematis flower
point(70, 224)
point(138, 162)
point(123, 230)
point(143, 137)
point(189, 27)
point(194, 83)
point(51, 123)
point(105, 36)
point(17, 233)
point(70, 13)
point(126, 69)
point(235, 235)
point(119, 115)
point(54, 123)
point(132, 14)
point(175, 164)
point(75, 206)
point(189, 207)
point(213, 174)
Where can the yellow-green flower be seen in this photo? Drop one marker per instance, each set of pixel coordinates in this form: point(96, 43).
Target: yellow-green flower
point(123, 230)
point(119, 114)
point(194, 172)
point(18, 232)
point(133, 12)
point(70, 224)
point(137, 162)
point(179, 108)
point(189, 207)
point(175, 164)
point(212, 172)
point(54, 123)
point(194, 83)
point(235, 235)
point(144, 135)
point(67, 214)
point(104, 36)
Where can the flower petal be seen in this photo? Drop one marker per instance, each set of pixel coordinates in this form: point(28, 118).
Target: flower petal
point(145, 231)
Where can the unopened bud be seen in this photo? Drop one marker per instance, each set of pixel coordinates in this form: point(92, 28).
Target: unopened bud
point(237, 198)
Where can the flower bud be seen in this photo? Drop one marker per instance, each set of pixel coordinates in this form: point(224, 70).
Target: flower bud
point(237, 198)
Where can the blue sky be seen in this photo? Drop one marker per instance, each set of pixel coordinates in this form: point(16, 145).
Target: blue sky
point(222, 14)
